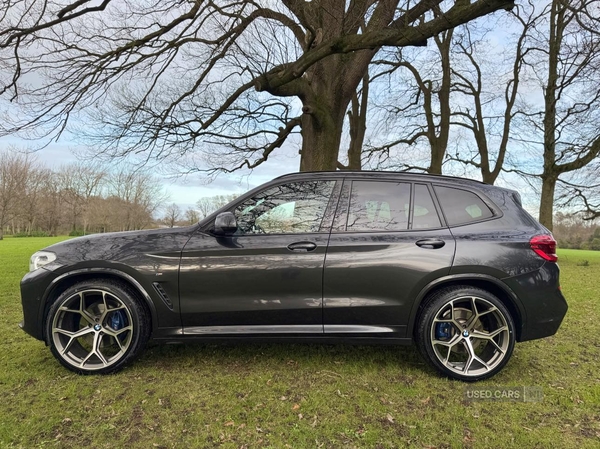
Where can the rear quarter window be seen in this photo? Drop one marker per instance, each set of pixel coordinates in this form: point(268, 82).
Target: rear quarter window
point(461, 206)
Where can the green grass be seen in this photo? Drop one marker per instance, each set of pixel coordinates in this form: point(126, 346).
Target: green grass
point(299, 396)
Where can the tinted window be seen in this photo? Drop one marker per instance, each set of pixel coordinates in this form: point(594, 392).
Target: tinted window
point(424, 213)
point(292, 208)
point(378, 206)
point(461, 206)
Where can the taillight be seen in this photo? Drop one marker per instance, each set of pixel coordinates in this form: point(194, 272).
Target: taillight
point(544, 246)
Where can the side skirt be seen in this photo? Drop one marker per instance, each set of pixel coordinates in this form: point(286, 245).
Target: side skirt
point(281, 334)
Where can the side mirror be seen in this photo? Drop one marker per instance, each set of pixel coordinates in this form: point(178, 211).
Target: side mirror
point(225, 224)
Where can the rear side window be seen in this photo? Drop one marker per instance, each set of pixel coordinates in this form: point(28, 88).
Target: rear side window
point(424, 213)
point(378, 206)
point(461, 206)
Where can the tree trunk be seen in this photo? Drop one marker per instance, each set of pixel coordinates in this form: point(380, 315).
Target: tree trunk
point(324, 109)
point(550, 99)
point(440, 134)
point(357, 118)
point(547, 201)
point(437, 158)
point(321, 135)
point(327, 87)
point(355, 152)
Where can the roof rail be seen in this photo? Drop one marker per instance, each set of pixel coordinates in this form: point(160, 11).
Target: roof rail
point(357, 172)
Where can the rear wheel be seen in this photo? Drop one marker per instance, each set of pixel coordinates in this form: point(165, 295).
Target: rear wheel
point(97, 326)
point(466, 333)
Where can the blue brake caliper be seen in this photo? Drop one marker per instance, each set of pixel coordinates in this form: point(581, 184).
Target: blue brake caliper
point(117, 320)
point(442, 331)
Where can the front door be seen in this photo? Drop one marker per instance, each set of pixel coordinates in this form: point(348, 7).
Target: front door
point(268, 276)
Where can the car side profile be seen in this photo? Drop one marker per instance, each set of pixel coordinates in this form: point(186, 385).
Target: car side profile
point(455, 266)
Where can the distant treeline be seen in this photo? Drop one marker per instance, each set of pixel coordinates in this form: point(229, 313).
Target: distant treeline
point(571, 231)
point(173, 216)
point(74, 199)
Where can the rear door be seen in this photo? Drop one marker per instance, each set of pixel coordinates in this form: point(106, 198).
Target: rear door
point(387, 242)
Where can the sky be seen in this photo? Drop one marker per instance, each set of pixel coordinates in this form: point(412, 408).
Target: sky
point(185, 191)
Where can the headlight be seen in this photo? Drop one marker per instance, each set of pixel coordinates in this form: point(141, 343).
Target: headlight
point(40, 259)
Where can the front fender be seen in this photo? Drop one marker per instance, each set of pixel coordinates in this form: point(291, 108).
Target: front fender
point(51, 284)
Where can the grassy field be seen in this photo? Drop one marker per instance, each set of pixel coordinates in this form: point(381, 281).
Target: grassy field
point(299, 396)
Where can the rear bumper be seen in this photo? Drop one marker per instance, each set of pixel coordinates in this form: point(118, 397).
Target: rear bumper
point(543, 303)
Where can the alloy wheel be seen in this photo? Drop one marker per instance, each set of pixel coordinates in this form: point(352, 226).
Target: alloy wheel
point(470, 336)
point(92, 329)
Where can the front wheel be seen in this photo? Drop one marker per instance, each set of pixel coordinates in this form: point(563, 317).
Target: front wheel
point(97, 326)
point(466, 333)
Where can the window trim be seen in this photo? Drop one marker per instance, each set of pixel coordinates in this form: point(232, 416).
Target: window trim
point(332, 207)
point(340, 218)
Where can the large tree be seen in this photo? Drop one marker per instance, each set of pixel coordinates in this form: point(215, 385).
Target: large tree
point(454, 104)
point(227, 82)
point(530, 104)
point(573, 61)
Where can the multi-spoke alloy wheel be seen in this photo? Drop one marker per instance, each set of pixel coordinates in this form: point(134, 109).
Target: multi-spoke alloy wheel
point(466, 333)
point(96, 326)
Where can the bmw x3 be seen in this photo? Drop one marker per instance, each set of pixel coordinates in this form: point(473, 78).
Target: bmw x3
point(455, 266)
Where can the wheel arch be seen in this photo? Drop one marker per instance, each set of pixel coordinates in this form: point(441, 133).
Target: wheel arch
point(488, 283)
point(64, 281)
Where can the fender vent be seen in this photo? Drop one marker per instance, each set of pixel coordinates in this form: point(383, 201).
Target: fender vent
point(163, 295)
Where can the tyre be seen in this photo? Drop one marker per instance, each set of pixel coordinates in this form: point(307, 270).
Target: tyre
point(97, 326)
point(466, 333)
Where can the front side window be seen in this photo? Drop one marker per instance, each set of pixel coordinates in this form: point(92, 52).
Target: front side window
point(297, 207)
point(378, 206)
point(461, 206)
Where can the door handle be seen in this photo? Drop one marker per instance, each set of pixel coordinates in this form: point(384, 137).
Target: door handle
point(430, 243)
point(302, 246)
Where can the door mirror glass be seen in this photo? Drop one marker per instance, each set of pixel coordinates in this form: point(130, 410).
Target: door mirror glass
point(225, 224)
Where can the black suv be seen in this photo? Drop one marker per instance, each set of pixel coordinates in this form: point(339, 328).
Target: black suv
point(455, 265)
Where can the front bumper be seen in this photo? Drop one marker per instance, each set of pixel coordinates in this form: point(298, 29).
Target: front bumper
point(34, 288)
